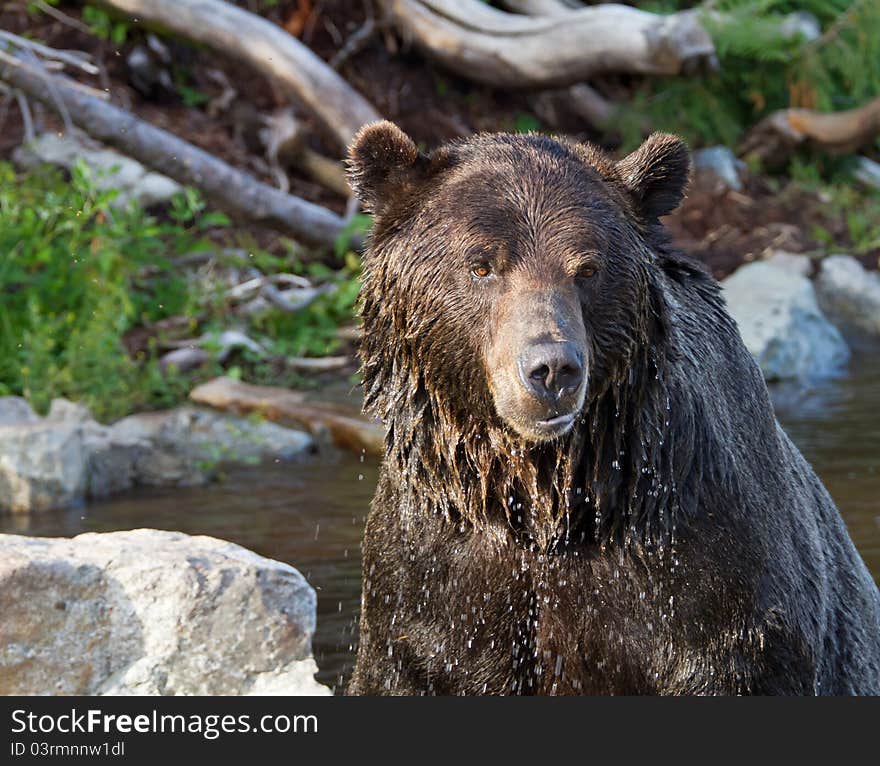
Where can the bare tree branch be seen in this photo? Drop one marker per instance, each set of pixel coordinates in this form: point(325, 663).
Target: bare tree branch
point(775, 137)
point(510, 50)
point(267, 48)
point(225, 186)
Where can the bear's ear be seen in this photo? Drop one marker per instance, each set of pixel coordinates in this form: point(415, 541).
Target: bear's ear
point(382, 162)
point(656, 174)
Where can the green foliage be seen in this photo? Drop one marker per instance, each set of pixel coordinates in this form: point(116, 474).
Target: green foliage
point(358, 226)
point(75, 276)
point(525, 123)
point(104, 25)
point(314, 332)
point(763, 69)
point(857, 209)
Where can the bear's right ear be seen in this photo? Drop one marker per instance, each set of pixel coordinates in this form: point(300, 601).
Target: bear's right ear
point(382, 162)
point(656, 174)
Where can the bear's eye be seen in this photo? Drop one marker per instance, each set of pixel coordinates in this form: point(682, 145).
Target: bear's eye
point(585, 272)
point(481, 270)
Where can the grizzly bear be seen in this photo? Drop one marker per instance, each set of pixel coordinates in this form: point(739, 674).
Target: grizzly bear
point(585, 489)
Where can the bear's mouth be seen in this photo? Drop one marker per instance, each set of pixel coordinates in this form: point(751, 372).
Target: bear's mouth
point(557, 425)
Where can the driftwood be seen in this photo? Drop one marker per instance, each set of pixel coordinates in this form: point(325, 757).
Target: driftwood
point(281, 405)
point(541, 7)
point(775, 137)
point(510, 50)
point(228, 188)
point(284, 137)
point(581, 99)
point(269, 49)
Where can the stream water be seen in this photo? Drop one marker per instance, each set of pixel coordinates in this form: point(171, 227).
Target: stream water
point(311, 513)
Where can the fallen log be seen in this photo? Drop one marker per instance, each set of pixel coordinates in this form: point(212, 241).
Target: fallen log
point(509, 50)
point(267, 48)
point(226, 187)
point(581, 99)
point(284, 137)
point(775, 137)
point(541, 7)
point(288, 407)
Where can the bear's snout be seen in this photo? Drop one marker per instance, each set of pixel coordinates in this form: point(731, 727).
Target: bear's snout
point(552, 372)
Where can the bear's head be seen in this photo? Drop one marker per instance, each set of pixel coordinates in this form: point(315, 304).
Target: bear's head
point(507, 280)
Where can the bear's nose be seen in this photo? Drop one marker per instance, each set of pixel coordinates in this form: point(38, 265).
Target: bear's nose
point(551, 371)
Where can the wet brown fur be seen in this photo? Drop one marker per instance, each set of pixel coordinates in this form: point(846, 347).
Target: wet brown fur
point(674, 541)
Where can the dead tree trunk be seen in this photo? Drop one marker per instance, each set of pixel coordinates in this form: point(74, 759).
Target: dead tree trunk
point(509, 50)
point(228, 188)
point(267, 48)
point(775, 137)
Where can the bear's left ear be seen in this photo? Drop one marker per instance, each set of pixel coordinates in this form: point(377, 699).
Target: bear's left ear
point(382, 162)
point(656, 174)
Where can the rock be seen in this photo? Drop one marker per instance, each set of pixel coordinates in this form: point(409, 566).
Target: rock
point(781, 323)
point(800, 265)
point(119, 459)
point(850, 294)
point(152, 613)
point(346, 430)
point(42, 466)
point(64, 409)
point(801, 24)
point(110, 169)
point(59, 461)
point(720, 163)
point(16, 411)
point(184, 359)
point(868, 172)
point(202, 435)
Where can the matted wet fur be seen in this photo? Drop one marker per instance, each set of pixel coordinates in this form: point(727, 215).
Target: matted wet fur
point(672, 541)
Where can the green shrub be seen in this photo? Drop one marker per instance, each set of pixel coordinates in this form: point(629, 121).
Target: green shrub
point(75, 275)
point(762, 71)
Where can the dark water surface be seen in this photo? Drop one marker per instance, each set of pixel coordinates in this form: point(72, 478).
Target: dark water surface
point(311, 514)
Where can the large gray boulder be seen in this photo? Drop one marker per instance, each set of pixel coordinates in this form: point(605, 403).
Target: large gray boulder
point(850, 294)
point(153, 613)
point(781, 323)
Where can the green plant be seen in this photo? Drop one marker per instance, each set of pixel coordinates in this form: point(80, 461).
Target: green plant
point(313, 332)
point(78, 275)
point(856, 210)
point(764, 66)
point(525, 123)
point(75, 276)
point(104, 25)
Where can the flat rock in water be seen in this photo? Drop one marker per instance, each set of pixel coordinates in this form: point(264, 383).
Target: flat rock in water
point(59, 461)
point(153, 613)
point(42, 466)
point(346, 430)
point(850, 294)
point(781, 323)
point(205, 435)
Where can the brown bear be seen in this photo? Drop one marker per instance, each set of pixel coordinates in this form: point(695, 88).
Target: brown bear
point(585, 489)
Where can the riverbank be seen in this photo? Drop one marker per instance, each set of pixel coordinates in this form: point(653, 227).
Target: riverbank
point(311, 515)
